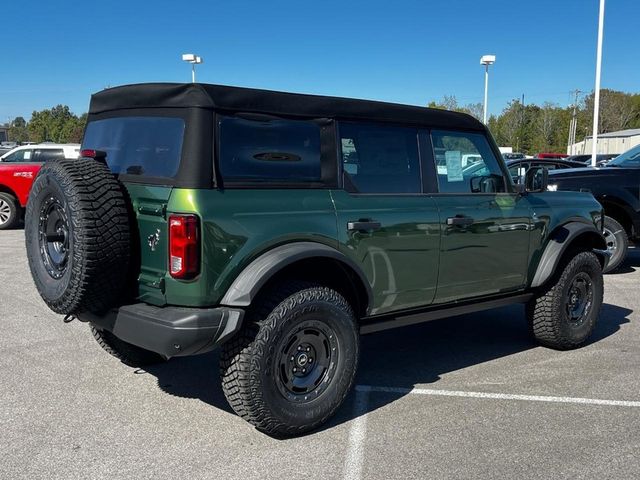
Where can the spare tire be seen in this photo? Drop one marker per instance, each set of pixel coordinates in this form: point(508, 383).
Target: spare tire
point(77, 235)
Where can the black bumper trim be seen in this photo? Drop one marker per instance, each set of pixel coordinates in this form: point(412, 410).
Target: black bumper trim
point(170, 331)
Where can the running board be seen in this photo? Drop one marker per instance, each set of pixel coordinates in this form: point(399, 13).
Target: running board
point(444, 311)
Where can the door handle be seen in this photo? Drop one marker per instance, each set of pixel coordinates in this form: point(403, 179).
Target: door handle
point(460, 221)
point(363, 226)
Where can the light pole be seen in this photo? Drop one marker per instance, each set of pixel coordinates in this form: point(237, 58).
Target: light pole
point(486, 60)
point(194, 60)
point(596, 99)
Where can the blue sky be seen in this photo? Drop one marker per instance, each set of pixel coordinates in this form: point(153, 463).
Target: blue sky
point(60, 51)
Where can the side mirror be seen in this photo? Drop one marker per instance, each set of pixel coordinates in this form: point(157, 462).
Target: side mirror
point(536, 179)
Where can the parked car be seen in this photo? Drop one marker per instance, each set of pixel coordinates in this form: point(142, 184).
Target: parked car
point(518, 168)
point(617, 187)
point(513, 156)
point(41, 152)
point(601, 158)
point(267, 246)
point(18, 169)
point(552, 155)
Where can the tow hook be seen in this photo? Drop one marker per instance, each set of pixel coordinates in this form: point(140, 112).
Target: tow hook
point(69, 318)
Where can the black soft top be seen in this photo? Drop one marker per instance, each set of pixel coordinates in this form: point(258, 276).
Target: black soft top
point(237, 99)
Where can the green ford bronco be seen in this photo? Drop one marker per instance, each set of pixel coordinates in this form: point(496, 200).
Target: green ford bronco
point(281, 226)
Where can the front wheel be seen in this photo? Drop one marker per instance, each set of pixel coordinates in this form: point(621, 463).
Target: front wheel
point(290, 368)
point(9, 211)
point(564, 315)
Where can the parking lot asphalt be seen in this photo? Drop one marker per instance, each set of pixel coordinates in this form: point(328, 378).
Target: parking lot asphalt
point(465, 397)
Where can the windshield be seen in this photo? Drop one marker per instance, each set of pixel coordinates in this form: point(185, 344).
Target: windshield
point(630, 158)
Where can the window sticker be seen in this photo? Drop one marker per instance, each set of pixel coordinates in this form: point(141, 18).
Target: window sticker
point(454, 165)
point(27, 155)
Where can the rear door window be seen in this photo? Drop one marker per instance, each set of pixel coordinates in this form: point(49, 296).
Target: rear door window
point(46, 154)
point(138, 146)
point(380, 158)
point(269, 150)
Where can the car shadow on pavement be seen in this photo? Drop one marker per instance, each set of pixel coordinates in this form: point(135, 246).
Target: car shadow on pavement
point(401, 358)
point(630, 263)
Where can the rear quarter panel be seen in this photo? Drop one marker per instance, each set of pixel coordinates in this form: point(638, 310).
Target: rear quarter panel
point(239, 225)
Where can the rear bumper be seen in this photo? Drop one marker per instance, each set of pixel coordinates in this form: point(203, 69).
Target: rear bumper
point(170, 331)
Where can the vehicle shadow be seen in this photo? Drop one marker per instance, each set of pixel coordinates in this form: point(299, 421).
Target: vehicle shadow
point(401, 358)
point(630, 263)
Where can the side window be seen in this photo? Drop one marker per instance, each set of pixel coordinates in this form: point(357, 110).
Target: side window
point(24, 155)
point(46, 154)
point(380, 159)
point(465, 163)
point(270, 150)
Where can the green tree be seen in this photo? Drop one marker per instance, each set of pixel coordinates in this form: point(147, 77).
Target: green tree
point(58, 124)
point(449, 102)
point(18, 131)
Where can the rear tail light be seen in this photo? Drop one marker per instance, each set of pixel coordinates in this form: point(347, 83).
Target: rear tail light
point(184, 246)
point(90, 153)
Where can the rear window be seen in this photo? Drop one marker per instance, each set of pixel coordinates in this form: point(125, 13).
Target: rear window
point(144, 146)
point(270, 150)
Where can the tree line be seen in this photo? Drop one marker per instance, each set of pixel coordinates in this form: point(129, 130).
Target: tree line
point(534, 128)
point(527, 128)
point(57, 124)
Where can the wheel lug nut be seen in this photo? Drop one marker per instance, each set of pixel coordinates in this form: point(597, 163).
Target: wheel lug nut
point(304, 370)
point(299, 348)
point(293, 358)
point(310, 360)
point(295, 369)
point(308, 349)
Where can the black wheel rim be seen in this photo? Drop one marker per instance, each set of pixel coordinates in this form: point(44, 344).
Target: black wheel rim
point(307, 361)
point(579, 299)
point(54, 237)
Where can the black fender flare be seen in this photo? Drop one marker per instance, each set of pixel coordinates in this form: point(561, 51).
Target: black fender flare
point(560, 240)
point(255, 275)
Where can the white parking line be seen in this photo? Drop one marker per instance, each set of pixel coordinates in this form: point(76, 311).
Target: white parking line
point(355, 452)
point(497, 396)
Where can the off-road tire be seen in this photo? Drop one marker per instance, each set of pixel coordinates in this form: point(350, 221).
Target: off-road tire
point(249, 363)
point(91, 205)
point(618, 245)
point(125, 352)
point(10, 211)
point(548, 313)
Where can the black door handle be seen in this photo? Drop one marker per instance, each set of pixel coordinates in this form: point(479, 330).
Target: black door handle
point(363, 226)
point(460, 220)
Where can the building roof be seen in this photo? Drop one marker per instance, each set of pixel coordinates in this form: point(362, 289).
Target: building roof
point(236, 99)
point(630, 132)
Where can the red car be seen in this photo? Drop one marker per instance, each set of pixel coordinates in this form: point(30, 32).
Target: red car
point(552, 155)
point(18, 170)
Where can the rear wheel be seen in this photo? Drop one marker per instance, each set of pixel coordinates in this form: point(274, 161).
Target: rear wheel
point(290, 368)
point(617, 243)
point(125, 352)
point(564, 315)
point(9, 211)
